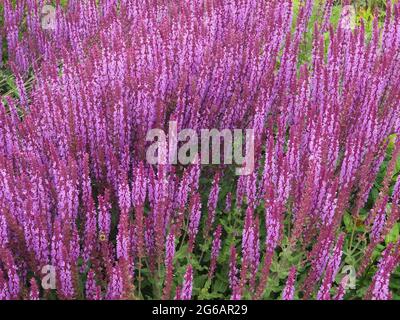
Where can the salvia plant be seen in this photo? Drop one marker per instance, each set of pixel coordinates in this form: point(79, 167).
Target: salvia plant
point(83, 215)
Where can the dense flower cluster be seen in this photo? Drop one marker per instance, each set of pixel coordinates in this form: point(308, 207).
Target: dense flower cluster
point(77, 193)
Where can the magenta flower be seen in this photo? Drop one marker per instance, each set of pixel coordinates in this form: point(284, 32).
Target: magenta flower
point(215, 249)
point(288, 291)
point(187, 286)
point(86, 85)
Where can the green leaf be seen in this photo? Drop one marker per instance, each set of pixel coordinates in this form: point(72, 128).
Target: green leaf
point(397, 168)
point(348, 222)
point(393, 235)
point(220, 286)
